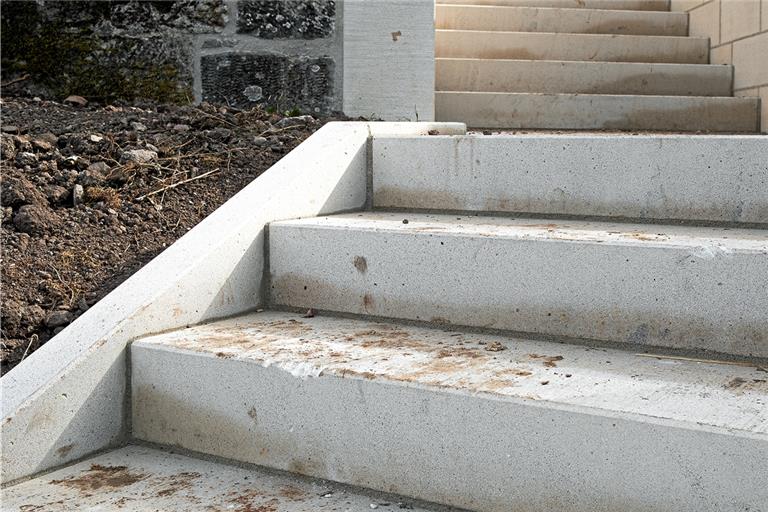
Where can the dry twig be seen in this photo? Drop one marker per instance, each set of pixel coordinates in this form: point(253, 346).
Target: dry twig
point(15, 81)
point(174, 185)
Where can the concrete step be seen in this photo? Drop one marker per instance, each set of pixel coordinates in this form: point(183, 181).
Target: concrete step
point(483, 422)
point(540, 76)
point(630, 5)
point(689, 288)
point(139, 478)
point(547, 19)
point(708, 178)
point(469, 44)
point(599, 112)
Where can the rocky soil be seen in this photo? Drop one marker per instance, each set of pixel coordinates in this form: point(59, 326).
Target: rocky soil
point(91, 193)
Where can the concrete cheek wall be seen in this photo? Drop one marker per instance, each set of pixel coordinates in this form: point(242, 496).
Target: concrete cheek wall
point(738, 35)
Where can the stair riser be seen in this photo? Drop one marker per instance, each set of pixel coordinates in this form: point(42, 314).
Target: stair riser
point(630, 5)
point(575, 21)
point(582, 77)
point(704, 178)
point(632, 291)
point(543, 46)
point(599, 112)
point(466, 450)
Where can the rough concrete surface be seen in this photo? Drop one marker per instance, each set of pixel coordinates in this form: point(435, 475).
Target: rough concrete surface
point(138, 479)
point(696, 178)
point(484, 422)
point(672, 286)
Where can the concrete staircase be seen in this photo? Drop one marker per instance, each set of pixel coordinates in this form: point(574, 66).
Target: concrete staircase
point(505, 353)
point(580, 64)
point(530, 322)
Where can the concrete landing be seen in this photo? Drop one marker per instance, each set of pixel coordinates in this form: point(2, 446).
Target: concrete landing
point(141, 479)
point(488, 423)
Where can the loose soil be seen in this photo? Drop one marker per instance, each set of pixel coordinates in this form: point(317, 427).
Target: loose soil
point(82, 209)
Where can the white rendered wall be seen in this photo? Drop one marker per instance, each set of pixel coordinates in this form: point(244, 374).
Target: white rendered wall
point(389, 59)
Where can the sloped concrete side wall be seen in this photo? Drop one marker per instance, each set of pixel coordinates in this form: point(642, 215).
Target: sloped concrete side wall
point(70, 397)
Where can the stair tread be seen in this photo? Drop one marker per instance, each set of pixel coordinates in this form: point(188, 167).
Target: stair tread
point(571, 46)
point(568, 10)
point(594, 63)
point(681, 287)
point(699, 238)
point(560, 19)
point(139, 478)
point(630, 5)
point(626, 37)
point(582, 77)
point(593, 380)
point(599, 111)
point(645, 97)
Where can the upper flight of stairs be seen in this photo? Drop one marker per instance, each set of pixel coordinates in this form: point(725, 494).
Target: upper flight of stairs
point(580, 64)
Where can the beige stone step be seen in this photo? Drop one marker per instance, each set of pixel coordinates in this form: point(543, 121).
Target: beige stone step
point(587, 47)
point(598, 112)
point(548, 19)
point(542, 76)
point(631, 5)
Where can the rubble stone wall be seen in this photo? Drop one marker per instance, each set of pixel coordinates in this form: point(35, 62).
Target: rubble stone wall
point(283, 54)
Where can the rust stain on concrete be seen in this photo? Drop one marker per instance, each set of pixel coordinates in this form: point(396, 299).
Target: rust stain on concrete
point(98, 477)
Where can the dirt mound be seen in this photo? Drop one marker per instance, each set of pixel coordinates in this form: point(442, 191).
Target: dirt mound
point(91, 194)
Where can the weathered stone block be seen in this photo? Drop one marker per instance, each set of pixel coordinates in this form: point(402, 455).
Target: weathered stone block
point(245, 80)
point(298, 19)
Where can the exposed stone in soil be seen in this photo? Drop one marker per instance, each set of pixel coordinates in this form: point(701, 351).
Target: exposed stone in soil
point(77, 219)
